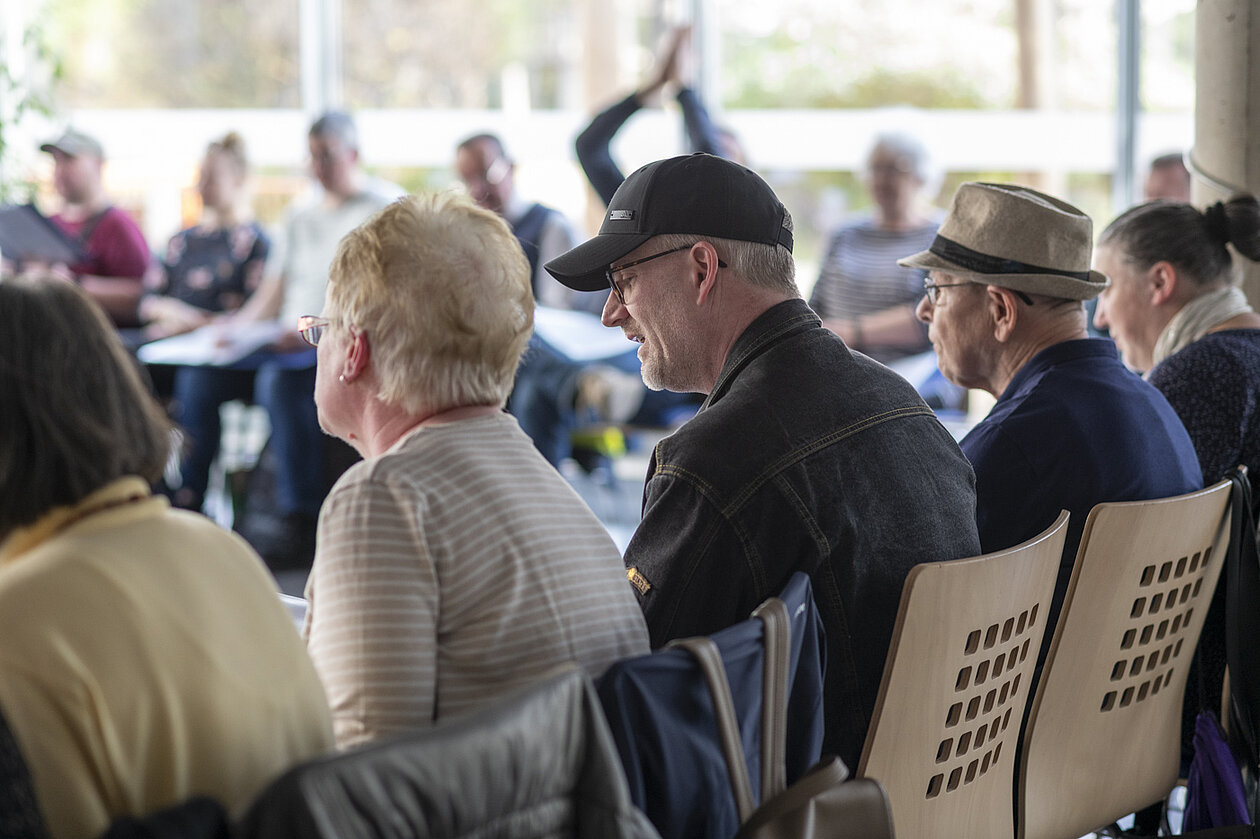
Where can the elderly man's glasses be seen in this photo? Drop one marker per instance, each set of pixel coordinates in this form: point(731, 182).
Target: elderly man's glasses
point(611, 272)
point(312, 328)
point(933, 292)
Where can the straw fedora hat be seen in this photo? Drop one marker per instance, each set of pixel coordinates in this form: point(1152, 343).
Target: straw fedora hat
point(1017, 238)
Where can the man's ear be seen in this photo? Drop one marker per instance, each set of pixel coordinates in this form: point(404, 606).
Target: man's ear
point(358, 354)
point(1003, 309)
point(704, 267)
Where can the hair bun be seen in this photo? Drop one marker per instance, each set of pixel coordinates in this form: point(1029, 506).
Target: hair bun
point(232, 145)
point(1217, 222)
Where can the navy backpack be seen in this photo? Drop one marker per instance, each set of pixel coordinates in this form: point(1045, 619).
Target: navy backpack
point(662, 719)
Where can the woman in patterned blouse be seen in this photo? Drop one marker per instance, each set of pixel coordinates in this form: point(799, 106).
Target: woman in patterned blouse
point(1177, 314)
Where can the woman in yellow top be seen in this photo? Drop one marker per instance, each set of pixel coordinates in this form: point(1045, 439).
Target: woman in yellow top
point(144, 655)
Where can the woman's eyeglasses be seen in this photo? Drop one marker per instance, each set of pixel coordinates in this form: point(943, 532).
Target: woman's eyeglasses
point(312, 328)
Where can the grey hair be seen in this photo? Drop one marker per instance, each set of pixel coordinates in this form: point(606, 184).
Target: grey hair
point(765, 266)
point(337, 124)
point(908, 146)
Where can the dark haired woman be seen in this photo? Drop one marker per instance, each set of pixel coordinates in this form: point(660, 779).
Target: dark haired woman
point(1176, 314)
point(144, 654)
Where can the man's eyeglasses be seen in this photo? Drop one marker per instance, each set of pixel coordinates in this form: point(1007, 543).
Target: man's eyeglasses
point(496, 171)
point(612, 280)
point(932, 290)
point(312, 328)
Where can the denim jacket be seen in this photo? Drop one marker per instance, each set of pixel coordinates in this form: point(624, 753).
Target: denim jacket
point(809, 457)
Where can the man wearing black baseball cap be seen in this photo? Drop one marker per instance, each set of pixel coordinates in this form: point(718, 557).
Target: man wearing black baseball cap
point(804, 457)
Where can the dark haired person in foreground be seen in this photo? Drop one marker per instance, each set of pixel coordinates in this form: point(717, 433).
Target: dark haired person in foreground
point(144, 654)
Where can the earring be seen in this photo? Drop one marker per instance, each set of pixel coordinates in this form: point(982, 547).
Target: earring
point(342, 378)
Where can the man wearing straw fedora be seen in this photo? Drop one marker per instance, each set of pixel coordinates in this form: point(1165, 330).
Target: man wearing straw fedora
point(804, 456)
point(1072, 427)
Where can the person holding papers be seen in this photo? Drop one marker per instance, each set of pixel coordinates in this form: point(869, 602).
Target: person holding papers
point(213, 266)
point(208, 270)
point(116, 256)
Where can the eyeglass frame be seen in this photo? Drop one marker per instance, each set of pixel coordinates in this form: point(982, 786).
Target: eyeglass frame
point(311, 328)
point(613, 269)
point(935, 298)
point(495, 172)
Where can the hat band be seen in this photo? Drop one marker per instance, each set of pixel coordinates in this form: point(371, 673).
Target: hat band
point(983, 263)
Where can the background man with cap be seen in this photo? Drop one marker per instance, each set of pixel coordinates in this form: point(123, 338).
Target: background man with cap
point(1072, 427)
point(115, 253)
point(803, 457)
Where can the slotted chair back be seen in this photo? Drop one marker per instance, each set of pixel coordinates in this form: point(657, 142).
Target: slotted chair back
point(944, 733)
point(1104, 731)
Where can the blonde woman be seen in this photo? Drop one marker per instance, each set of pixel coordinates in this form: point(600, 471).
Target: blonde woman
point(453, 564)
point(208, 271)
point(211, 267)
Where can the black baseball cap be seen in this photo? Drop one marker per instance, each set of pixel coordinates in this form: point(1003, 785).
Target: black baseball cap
point(697, 193)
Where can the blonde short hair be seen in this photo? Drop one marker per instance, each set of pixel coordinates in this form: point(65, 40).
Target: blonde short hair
point(441, 289)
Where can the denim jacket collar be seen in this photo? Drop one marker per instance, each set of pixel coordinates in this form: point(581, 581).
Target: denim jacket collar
point(771, 326)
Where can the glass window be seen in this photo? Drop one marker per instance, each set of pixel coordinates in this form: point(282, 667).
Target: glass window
point(176, 53)
point(440, 54)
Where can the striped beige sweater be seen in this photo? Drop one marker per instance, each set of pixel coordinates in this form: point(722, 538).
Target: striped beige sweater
point(454, 568)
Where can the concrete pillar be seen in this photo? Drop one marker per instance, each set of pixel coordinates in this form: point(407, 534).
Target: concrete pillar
point(1226, 153)
point(1034, 27)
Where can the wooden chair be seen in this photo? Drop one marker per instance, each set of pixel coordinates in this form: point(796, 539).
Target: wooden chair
point(944, 733)
point(1104, 731)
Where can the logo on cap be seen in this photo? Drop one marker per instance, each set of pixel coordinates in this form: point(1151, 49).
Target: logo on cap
point(620, 215)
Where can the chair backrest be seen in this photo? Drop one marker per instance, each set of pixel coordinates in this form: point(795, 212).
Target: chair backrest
point(1104, 730)
point(662, 717)
point(539, 764)
point(944, 733)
